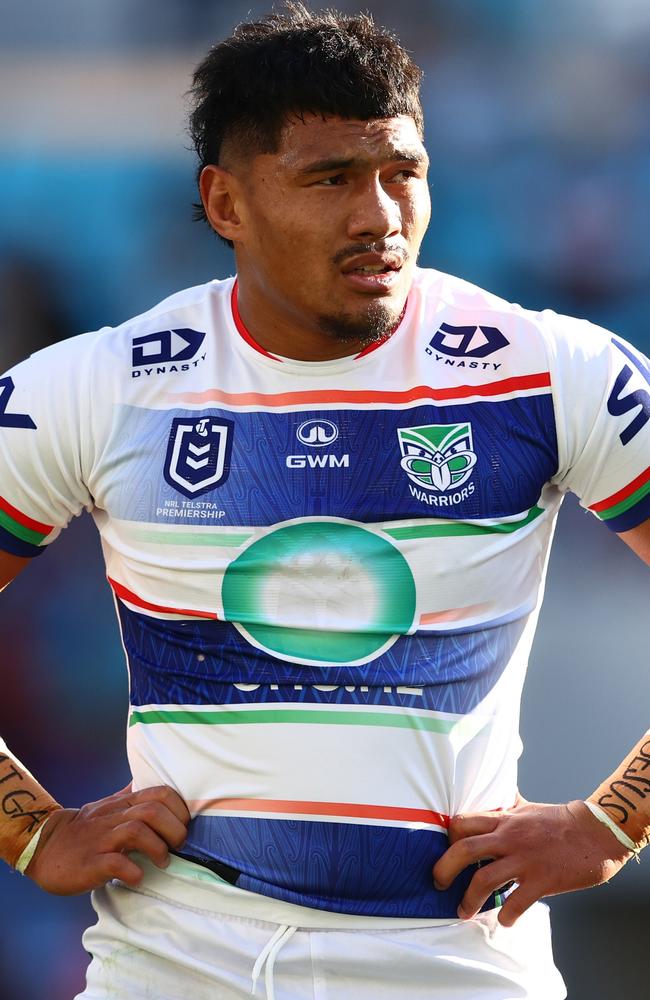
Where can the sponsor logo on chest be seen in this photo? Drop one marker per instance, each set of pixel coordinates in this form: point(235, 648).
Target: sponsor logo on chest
point(317, 433)
point(166, 352)
point(467, 346)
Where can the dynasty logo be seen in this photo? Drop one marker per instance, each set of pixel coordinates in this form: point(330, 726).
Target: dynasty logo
point(438, 459)
point(467, 346)
point(166, 351)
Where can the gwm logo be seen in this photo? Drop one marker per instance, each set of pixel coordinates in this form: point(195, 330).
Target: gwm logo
point(438, 458)
point(317, 433)
point(198, 454)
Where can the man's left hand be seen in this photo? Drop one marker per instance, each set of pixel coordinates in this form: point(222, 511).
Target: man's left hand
point(546, 849)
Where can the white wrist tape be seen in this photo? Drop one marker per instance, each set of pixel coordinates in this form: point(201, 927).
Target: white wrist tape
point(607, 821)
point(30, 850)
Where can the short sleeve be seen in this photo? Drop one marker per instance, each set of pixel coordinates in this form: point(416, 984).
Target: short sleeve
point(44, 440)
point(601, 387)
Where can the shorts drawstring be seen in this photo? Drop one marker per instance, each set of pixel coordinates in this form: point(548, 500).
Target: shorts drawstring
point(268, 955)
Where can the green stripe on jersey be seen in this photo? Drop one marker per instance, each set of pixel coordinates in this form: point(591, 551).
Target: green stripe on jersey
point(234, 539)
point(20, 531)
point(292, 715)
point(176, 537)
point(624, 505)
point(462, 527)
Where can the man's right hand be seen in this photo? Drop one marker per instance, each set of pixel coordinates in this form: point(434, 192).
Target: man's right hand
point(82, 849)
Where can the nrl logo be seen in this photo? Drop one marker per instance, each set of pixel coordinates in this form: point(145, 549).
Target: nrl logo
point(198, 454)
point(438, 456)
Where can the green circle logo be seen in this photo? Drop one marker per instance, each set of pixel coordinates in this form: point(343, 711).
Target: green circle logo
point(342, 593)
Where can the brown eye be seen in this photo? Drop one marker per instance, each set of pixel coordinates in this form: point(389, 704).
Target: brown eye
point(334, 181)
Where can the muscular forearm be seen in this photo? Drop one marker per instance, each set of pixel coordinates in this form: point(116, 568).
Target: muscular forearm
point(625, 795)
point(81, 849)
point(547, 849)
point(24, 806)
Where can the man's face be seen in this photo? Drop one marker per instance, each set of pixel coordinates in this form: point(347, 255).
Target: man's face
point(331, 224)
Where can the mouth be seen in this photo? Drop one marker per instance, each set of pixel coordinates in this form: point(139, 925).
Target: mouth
point(373, 272)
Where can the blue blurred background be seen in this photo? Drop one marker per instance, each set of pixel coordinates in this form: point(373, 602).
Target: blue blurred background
point(539, 137)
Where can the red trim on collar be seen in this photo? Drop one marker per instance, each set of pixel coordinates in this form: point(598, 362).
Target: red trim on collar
point(243, 332)
point(373, 347)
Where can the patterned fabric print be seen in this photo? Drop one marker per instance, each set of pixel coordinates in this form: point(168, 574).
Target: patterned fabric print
point(371, 870)
point(513, 442)
point(199, 663)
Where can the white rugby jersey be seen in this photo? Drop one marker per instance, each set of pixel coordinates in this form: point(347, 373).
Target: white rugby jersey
point(327, 574)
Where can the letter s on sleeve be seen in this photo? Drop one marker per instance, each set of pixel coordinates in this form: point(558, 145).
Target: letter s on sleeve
point(638, 400)
point(7, 388)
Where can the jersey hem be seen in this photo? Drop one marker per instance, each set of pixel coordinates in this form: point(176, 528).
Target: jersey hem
point(194, 887)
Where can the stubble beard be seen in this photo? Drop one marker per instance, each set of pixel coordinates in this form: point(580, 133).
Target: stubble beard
point(376, 322)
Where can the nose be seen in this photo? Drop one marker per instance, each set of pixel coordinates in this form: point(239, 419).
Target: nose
point(375, 214)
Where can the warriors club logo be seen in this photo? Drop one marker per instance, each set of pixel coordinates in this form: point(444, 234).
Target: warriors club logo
point(198, 454)
point(437, 457)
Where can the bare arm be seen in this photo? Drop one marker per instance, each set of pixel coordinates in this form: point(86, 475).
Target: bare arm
point(10, 567)
point(639, 540)
point(81, 849)
point(548, 849)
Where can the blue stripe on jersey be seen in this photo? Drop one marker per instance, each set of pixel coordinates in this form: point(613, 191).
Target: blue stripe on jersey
point(17, 547)
point(358, 477)
point(640, 362)
point(631, 518)
point(345, 867)
point(198, 663)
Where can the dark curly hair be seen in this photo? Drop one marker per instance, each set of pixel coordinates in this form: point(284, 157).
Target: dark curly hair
point(296, 62)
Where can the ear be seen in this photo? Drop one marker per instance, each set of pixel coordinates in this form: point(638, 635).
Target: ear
point(219, 194)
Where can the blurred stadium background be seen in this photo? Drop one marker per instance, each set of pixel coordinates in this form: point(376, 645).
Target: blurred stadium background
point(539, 135)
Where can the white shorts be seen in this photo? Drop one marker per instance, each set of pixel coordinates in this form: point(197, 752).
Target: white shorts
point(144, 946)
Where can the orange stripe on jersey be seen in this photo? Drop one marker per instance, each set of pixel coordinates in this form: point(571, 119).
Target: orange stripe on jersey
point(347, 809)
point(128, 595)
point(453, 614)
point(540, 380)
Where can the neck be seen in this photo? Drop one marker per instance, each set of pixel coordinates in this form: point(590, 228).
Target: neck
point(279, 328)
